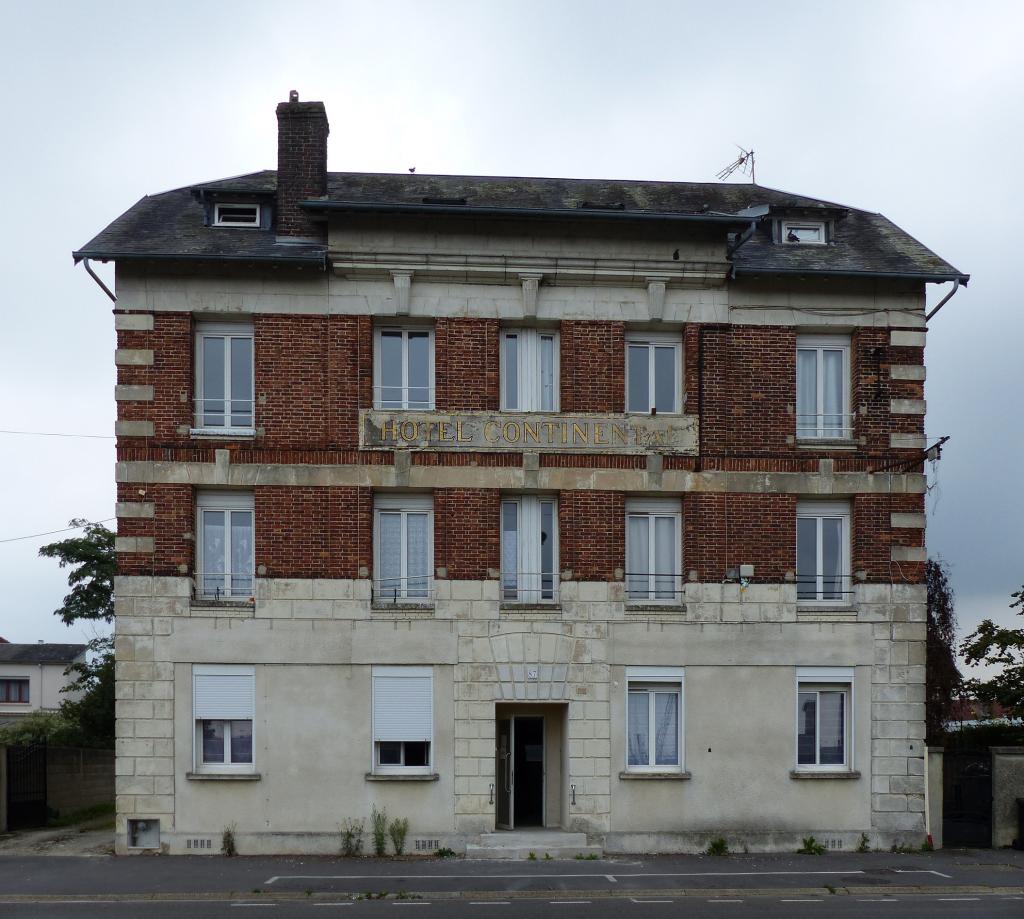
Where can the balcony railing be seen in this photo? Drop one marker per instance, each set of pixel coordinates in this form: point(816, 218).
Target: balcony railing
point(399, 398)
point(529, 586)
point(824, 426)
point(224, 585)
point(415, 589)
point(654, 587)
point(228, 414)
point(825, 588)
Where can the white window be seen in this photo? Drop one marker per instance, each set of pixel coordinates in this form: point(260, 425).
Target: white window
point(823, 387)
point(529, 371)
point(654, 719)
point(654, 374)
point(224, 705)
point(224, 377)
point(236, 215)
point(529, 549)
point(403, 719)
point(823, 552)
point(404, 368)
point(653, 550)
point(224, 545)
point(404, 546)
point(803, 231)
point(824, 718)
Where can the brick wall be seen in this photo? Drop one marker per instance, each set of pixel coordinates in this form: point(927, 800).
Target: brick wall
point(467, 532)
point(466, 364)
point(723, 531)
point(874, 538)
point(592, 534)
point(872, 388)
point(592, 366)
point(170, 527)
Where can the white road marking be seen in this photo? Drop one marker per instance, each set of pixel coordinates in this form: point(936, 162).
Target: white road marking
point(958, 899)
point(921, 871)
point(536, 875)
point(255, 904)
point(635, 900)
point(878, 900)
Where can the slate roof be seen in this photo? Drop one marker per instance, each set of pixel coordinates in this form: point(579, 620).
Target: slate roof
point(11, 653)
point(170, 225)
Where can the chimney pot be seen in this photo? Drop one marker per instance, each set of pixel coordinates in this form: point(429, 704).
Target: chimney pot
point(302, 130)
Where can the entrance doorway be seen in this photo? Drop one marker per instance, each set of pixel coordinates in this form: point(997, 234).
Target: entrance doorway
point(520, 772)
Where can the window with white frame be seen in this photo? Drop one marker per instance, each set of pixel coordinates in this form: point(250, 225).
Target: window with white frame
point(14, 690)
point(404, 547)
point(529, 371)
point(823, 387)
point(236, 214)
point(224, 377)
point(403, 368)
point(224, 705)
point(803, 231)
point(823, 552)
point(824, 718)
point(403, 719)
point(529, 549)
point(225, 545)
point(654, 719)
point(654, 374)
point(653, 550)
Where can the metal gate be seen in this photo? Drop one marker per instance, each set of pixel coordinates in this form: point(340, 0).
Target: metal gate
point(26, 786)
point(967, 798)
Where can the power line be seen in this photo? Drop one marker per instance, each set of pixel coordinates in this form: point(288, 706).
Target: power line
point(55, 434)
point(51, 532)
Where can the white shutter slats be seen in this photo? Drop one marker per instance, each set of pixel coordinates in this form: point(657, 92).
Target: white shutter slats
point(224, 697)
point(403, 707)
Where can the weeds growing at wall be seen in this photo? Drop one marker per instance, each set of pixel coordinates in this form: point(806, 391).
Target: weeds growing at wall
point(379, 829)
point(811, 846)
point(352, 836)
point(227, 841)
point(717, 847)
point(398, 829)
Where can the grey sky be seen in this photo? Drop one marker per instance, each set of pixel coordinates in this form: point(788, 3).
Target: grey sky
point(912, 109)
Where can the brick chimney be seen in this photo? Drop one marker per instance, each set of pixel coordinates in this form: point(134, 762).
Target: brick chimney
point(302, 131)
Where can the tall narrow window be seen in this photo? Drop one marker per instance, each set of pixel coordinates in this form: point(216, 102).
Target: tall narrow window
point(529, 371)
point(529, 549)
point(225, 545)
point(653, 556)
point(404, 369)
point(823, 387)
point(403, 719)
point(823, 552)
point(654, 719)
point(224, 377)
point(653, 374)
point(823, 718)
point(404, 548)
point(224, 704)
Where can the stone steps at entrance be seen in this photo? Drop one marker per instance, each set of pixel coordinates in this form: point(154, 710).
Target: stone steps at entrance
point(515, 844)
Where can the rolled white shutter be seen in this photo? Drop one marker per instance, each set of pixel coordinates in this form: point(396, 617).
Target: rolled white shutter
point(403, 704)
point(224, 696)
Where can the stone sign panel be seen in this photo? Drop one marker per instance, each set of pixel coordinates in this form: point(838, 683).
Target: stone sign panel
point(510, 432)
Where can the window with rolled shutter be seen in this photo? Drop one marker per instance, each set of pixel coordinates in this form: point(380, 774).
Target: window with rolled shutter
point(403, 719)
point(223, 706)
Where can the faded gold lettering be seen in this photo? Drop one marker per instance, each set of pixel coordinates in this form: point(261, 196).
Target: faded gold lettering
point(488, 436)
point(549, 428)
point(389, 430)
point(579, 433)
point(514, 427)
point(529, 430)
point(565, 432)
point(620, 432)
point(444, 430)
point(408, 431)
point(599, 433)
point(430, 430)
point(458, 433)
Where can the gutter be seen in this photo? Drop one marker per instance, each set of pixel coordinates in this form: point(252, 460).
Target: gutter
point(541, 212)
point(318, 260)
point(741, 239)
point(98, 280)
point(895, 275)
point(945, 299)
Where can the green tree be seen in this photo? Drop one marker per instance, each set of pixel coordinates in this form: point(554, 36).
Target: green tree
point(942, 678)
point(87, 721)
point(994, 646)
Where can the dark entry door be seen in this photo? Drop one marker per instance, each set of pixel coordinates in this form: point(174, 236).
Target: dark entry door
point(26, 786)
point(967, 798)
point(528, 770)
point(503, 775)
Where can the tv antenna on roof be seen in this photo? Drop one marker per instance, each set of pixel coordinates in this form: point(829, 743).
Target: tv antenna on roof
point(744, 162)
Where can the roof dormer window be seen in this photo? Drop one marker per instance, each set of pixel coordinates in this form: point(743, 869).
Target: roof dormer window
point(236, 214)
point(803, 231)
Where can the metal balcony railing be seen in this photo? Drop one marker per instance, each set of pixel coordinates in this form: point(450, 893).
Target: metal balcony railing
point(824, 587)
point(414, 398)
point(230, 414)
point(224, 585)
point(824, 426)
point(654, 586)
point(415, 589)
point(529, 586)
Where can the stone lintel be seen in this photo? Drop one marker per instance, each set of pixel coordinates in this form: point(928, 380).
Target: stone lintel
point(907, 521)
point(133, 322)
point(130, 393)
point(907, 406)
point(907, 372)
point(133, 357)
point(900, 338)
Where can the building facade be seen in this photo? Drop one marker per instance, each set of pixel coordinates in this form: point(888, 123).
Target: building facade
point(504, 503)
point(33, 677)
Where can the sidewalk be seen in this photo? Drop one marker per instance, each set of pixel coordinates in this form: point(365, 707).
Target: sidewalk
point(37, 878)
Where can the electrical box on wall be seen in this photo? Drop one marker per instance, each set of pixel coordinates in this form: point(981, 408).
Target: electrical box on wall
point(143, 834)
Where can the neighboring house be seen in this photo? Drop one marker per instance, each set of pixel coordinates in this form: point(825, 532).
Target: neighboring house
point(32, 677)
point(514, 502)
